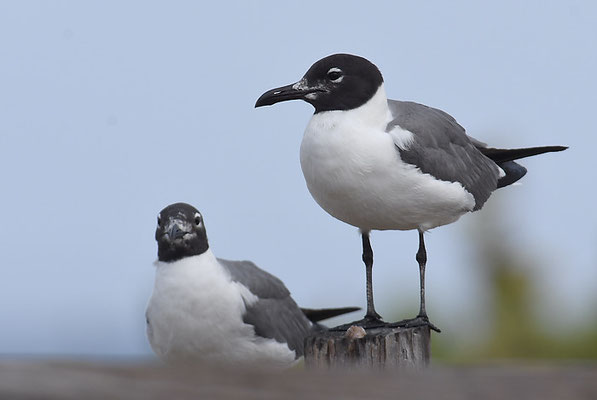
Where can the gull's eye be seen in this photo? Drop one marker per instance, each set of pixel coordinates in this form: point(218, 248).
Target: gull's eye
point(335, 74)
point(197, 219)
point(159, 220)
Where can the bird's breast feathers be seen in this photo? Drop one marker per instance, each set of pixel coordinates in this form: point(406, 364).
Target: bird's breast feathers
point(196, 311)
point(353, 170)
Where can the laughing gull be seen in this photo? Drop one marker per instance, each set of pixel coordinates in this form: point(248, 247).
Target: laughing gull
point(203, 307)
point(382, 164)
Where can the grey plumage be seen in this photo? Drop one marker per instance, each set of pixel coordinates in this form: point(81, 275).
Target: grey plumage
point(441, 148)
point(275, 315)
point(261, 283)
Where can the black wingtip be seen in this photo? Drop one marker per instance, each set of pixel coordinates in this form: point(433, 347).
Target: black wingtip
point(555, 148)
point(504, 158)
point(316, 315)
point(503, 155)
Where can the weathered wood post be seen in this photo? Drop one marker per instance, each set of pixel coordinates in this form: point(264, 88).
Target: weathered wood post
point(378, 348)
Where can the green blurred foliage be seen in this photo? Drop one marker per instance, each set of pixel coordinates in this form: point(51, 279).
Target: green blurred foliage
point(509, 327)
point(516, 333)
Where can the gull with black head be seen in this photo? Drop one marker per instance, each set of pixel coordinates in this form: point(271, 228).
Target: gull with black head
point(381, 164)
point(211, 309)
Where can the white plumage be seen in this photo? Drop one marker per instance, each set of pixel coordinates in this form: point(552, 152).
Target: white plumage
point(354, 172)
point(196, 312)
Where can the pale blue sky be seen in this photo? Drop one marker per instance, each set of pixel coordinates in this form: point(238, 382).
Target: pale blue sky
point(111, 110)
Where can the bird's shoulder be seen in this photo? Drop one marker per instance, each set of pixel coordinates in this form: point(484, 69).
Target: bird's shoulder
point(261, 283)
point(431, 126)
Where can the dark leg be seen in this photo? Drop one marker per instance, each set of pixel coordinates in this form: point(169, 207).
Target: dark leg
point(422, 318)
point(422, 260)
point(372, 319)
point(368, 260)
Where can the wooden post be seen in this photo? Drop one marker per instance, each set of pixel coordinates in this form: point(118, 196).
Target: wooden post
point(380, 348)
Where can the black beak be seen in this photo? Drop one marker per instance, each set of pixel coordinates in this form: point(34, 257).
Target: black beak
point(176, 232)
point(289, 92)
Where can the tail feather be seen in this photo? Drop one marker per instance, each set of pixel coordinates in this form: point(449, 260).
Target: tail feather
point(513, 171)
point(504, 158)
point(316, 315)
point(503, 155)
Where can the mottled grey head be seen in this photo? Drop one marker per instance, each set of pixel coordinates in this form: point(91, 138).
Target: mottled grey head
point(336, 82)
point(180, 232)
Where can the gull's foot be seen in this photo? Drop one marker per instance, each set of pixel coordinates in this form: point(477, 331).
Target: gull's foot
point(419, 320)
point(369, 322)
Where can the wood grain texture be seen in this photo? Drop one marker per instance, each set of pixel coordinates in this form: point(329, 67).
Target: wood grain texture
point(379, 349)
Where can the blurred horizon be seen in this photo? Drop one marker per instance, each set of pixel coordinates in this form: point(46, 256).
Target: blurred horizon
point(110, 111)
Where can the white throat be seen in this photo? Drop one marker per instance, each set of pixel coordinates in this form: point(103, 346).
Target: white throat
point(374, 113)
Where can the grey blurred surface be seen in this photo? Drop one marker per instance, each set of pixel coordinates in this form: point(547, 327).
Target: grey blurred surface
point(77, 380)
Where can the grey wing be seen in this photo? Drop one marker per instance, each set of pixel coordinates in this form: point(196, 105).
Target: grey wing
point(441, 148)
point(275, 315)
point(477, 143)
point(281, 320)
point(261, 283)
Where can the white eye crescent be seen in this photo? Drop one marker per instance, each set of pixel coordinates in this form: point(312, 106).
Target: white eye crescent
point(197, 219)
point(159, 220)
point(335, 75)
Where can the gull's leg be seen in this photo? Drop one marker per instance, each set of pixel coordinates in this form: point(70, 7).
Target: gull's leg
point(422, 318)
point(368, 260)
point(422, 260)
point(372, 319)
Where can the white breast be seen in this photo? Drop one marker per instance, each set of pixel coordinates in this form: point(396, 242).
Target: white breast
point(354, 172)
point(195, 312)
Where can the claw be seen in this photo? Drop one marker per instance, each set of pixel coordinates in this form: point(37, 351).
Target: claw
point(419, 320)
